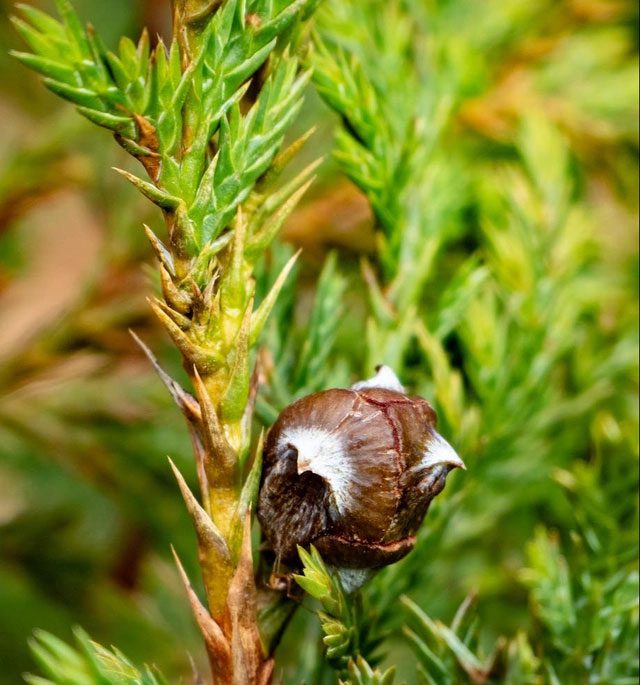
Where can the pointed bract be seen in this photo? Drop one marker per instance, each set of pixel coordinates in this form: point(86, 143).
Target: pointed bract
point(249, 663)
point(186, 402)
point(261, 314)
point(209, 537)
point(162, 253)
point(261, 240)
point(221, 459)
point(161, 198)
point(206, 360)
point(236, 393)
point(217, 645)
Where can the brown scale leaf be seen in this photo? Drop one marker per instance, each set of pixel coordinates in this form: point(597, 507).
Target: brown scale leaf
point(148, 138)
point(213, 552)
point(186, 402)
point(217, 645)
point(248, 657)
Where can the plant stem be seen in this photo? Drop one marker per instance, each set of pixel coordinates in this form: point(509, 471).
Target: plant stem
point(211, 155)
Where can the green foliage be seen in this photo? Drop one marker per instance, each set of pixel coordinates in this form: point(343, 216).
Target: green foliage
point(344, 623)
point(387, 148)
point(115, 90)
point(204, 155)
point(448, 654)
point(507, 314)
point(88, 664)
point(302, 356)
point(360, 673)
point(496, 144)
point(589, 617)
point(339, 622)
point(169, 117)
point(588, 627)
point(311, 369)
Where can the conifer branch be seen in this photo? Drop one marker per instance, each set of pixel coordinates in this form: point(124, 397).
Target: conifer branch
point(211, 155)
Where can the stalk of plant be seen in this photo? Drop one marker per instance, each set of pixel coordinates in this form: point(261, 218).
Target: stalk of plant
point(206, 117)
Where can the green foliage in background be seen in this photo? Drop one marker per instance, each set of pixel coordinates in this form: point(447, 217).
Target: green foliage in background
point(90, 664)
point(496, 146)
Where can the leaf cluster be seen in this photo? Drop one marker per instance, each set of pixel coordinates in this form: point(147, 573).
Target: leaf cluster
point(298, 357)
point(449, 654)
point(87, 664)
point(343, 623)
point(500, 328)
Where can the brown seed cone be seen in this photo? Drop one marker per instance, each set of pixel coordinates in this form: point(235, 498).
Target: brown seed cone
point(352, 472)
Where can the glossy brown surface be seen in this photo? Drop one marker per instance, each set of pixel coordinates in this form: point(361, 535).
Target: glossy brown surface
point(364, 510)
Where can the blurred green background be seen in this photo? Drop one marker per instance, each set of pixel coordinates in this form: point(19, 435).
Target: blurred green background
point(532, 363)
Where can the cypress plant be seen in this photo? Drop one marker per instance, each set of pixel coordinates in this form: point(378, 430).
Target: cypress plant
point(488, 286)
